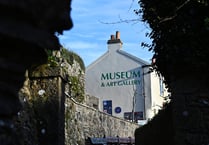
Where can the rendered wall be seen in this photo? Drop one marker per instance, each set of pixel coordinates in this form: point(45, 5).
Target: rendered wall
point(107, 79)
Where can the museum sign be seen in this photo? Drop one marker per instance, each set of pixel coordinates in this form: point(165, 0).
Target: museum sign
point(122, 78)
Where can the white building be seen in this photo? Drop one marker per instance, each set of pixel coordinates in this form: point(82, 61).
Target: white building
point(124, 85)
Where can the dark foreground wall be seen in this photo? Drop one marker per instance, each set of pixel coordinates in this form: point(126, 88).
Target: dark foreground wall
point(158, 131)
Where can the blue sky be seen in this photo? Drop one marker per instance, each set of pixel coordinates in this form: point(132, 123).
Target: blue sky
point(92, 28)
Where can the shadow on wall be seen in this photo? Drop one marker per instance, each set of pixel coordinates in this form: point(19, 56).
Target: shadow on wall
point(158, 131)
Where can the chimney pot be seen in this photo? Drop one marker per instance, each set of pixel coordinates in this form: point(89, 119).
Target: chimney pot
point(112, 37)
point(117, 35)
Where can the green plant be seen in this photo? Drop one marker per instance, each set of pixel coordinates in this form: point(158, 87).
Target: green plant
point(76, 88)
point(180, 31)
point(70, 56)
point(52, 60)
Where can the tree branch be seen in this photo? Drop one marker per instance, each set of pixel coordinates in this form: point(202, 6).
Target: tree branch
point(178, 8)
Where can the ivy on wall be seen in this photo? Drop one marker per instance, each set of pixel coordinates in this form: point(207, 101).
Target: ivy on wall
point(76, 88)
point(76, 84)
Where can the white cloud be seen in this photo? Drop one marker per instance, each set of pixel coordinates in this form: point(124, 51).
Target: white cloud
point(88, 37)
point(88, 51)
point(80, 45)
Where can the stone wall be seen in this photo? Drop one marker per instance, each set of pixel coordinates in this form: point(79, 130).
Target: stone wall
point(41, 120)
point(82, 121)
point(50, 114)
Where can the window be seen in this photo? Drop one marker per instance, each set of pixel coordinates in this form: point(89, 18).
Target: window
point(107, 106)
point(161, 86)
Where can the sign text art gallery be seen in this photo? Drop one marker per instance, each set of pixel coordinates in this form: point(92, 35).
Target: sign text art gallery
point(122, 78)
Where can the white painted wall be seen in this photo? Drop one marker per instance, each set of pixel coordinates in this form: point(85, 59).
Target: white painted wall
point(145, 93)
point(121, 95)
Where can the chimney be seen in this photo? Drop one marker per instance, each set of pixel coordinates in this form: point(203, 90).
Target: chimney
point(115, 38)
point(114, 43)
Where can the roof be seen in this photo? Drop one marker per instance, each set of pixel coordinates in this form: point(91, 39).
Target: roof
point(121, 52)
point(113, 48)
